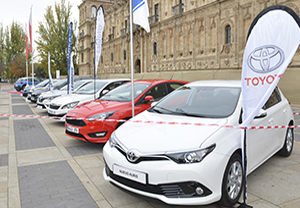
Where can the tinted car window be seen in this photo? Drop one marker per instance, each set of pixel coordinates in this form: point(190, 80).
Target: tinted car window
point(273, 100)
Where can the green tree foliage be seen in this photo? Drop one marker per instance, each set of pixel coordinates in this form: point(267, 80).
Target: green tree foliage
point(13, 55)
point(2, 51)
point(53, 35)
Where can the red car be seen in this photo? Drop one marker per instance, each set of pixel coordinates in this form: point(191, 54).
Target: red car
point(115, 105)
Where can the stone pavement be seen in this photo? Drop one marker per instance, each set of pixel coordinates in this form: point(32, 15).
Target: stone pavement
point(42, 167)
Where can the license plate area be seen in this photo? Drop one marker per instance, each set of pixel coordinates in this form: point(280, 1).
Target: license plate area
point(73, 129)
point(130, 174)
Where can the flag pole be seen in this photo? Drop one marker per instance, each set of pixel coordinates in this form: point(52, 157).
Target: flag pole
point(131, 57)
point(32, 50)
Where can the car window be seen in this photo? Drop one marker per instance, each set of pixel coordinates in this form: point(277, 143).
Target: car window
point(91, 88)
point(174, 86)
point(158, 91)
point(273, 100)
point(199, 101)
point(123, 93)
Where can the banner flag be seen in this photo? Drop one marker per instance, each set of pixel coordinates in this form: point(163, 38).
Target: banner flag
point(30, 29)
point(26, 42)
point(140, 13)
point(273, 39)
point(69, 45)
point(98, 36)
point(72, 74)
point(49, 72)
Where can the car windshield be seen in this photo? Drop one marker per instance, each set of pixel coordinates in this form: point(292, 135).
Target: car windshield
point(59, 83)
point(90, 88)
point(123, 93)
point(199, 101)
point(43, 83)
point(76, 84)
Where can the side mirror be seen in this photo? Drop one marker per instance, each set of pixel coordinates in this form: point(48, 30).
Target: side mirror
point(261, 114)
point(149, 98)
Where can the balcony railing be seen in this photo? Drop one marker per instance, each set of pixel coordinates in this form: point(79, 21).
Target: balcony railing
point(110, 37)
point(134, 26)
point(123, 31)
point(153, 19)
point(178, 9)
point(81, 48)
point(81, 35)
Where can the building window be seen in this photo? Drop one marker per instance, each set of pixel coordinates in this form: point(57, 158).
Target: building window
point(81, 57)
point(101, 59)
point(155, 48)
point(93, 11)
point(112, 57)
point(227, 34)
point(124, 54)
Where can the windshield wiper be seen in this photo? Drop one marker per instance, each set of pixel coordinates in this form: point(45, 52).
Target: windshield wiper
point(179, 111)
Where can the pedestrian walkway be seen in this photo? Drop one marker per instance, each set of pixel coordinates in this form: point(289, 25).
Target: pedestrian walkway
point(42, 167)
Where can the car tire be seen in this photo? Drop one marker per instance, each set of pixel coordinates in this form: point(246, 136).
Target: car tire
point(232, 184)
point(288, 143)
point(23, 87)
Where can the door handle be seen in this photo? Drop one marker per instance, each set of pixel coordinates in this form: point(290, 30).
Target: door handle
point(284, 111)
point(270, 120)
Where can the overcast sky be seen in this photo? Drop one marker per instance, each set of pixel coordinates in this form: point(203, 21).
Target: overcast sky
point(19, 10)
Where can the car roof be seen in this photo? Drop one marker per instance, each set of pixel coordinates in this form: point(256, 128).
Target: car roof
point(216, 83)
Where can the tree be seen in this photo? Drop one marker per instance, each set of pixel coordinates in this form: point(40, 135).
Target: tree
point(2, 51)
point(14, 50)
point(53, 35)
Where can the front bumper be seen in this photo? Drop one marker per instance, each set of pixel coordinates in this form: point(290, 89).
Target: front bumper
point(208, 174)
point(90, 131)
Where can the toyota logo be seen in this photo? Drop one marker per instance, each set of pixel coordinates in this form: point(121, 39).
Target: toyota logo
point(265, 59)
point(132, 156)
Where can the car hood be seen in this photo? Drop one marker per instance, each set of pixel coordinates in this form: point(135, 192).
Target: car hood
point(159, 133)
point(97, 106)
point(53, 93)
point(72, 98)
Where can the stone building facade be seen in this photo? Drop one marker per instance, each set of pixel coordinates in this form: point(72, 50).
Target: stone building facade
point(188, 39)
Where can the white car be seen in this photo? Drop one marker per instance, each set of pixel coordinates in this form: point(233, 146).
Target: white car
point(61, 105)
point(46, 97)
point(180, 152)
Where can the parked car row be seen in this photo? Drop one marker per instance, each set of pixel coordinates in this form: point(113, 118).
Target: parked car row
point(176, 149)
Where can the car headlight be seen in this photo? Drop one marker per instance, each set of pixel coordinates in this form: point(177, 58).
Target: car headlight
point(191, 156)
point(101, 116)
point(112, 140)
point(70, 105)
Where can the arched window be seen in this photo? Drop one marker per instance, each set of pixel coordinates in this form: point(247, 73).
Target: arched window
point(154, 48)
point(124, 54)
point(112, 57)
point(93, 11)
point(227, 34)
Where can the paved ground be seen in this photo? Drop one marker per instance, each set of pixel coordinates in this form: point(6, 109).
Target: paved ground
point(42, 167)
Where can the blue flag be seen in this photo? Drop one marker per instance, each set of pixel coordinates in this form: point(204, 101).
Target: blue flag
point(69, 53)
point(140, 13)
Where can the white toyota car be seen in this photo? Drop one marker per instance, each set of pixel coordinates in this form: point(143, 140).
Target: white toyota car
point(61, 105)
point(180, 151)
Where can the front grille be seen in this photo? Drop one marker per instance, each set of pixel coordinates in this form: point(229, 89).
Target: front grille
point(174, 190)
point(55, 107)
point(74, 134)
point(143, 158)
point(75, 122)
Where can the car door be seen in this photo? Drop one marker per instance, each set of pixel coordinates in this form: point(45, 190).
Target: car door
point(261, 143)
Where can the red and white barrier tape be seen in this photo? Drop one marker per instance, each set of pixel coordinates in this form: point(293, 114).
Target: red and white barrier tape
point(155, 122)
